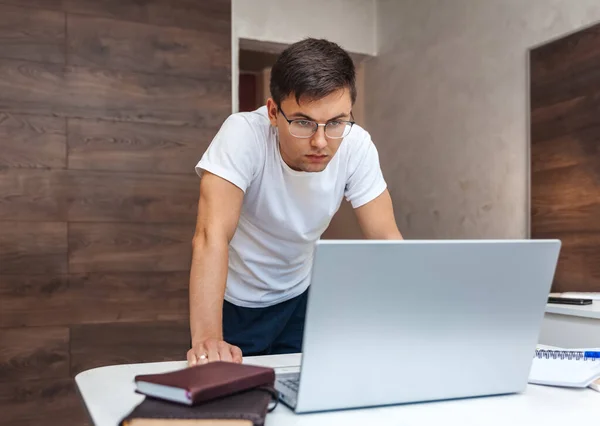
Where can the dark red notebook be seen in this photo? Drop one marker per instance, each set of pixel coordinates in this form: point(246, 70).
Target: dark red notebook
point(194, 385)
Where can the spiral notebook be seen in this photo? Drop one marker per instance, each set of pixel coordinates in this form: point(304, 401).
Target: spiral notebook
point(561, 367)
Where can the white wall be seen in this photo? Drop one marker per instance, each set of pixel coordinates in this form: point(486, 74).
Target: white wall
point(447, 106)
point(350, 23)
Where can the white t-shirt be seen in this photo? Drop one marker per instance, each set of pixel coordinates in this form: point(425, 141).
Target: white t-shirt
point(284, 211)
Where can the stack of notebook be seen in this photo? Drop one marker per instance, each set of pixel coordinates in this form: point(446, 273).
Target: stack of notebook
point(220, 393)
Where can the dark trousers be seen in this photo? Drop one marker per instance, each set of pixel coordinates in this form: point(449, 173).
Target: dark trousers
point(276, 329)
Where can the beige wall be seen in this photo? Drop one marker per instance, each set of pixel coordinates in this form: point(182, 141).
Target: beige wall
point(447, 106)
point(351, 23)
point(267, 25)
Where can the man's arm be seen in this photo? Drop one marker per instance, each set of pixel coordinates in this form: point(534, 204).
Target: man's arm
point(218, 214)
point(376, 219)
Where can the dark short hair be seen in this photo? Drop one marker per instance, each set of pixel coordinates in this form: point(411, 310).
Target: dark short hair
point(312, 68)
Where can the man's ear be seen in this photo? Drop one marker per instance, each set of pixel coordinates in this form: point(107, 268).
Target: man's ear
point(272, 110)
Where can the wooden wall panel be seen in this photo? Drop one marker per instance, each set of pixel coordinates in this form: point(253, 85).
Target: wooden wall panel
point(565, 155)
point(32, 87)
point(130, 297)
point(32, 142)
point(129, 247)
point(33, 195)
point(35, 35)
point(48, 402)
point(107, 43)
point(106, 106)
point(209, 15)
point(81, 92)
point(132, 197)
point(36, 4)
point(567, 199)
point(128, 96)
point(34, 248)
point(579, 263)
point(96, 345)
point(566, 69)
point(35, 300)
point(135, 147)
point(576, 117)
point(38, 300)
point(34, 353)
point(83, 196)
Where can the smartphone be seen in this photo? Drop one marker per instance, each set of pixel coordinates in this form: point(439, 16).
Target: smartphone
point(569, 301)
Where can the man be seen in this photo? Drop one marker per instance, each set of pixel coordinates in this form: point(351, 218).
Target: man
point(271, 180)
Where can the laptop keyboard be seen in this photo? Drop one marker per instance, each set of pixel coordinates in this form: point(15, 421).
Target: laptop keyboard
point(290, 383)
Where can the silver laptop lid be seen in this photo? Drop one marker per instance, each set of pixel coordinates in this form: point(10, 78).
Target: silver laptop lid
point(402, 321)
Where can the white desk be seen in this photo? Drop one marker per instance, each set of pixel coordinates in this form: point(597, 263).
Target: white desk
point(585, 311)
point(109, 395)
point(569, 326)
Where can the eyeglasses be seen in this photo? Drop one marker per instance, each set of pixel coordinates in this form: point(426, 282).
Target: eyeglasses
point(303, 128)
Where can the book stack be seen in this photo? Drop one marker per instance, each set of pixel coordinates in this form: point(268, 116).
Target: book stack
point(219, 393)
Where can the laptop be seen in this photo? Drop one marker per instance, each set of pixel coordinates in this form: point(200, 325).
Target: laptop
point(391, 322)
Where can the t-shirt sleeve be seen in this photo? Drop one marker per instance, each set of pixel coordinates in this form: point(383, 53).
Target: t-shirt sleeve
point(233, 154)
point(365, 181)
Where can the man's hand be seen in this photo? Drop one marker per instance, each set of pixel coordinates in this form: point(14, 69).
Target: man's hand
point(213, 350)
point(218, 213)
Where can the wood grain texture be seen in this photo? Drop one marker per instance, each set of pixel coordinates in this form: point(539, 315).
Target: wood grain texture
point(129, 46)
point(34, 248)
point(84, 196)
point(145, 85)
point(32, 34)
point(34, 353)
point(575, 148)
point(48, 402)
point(135, 147)
point(81, 92)
point(130, 297)
point(95, 345)
point(32, 87)
point(209, 15)
point(129, 247)
point(567, 199)
point(565, 155)
point(32, 142)
point(566, 69)
point(128, 96)
point(37, 4)
point(33, 195)
point(38, 300)
point(577, 116)
point(579, 263)
point(132, 197)
point(35, 300)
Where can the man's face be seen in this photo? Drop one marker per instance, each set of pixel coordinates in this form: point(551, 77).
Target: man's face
point(311, 154)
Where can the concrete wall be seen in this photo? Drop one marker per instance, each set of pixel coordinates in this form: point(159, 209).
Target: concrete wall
point(447, 105)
